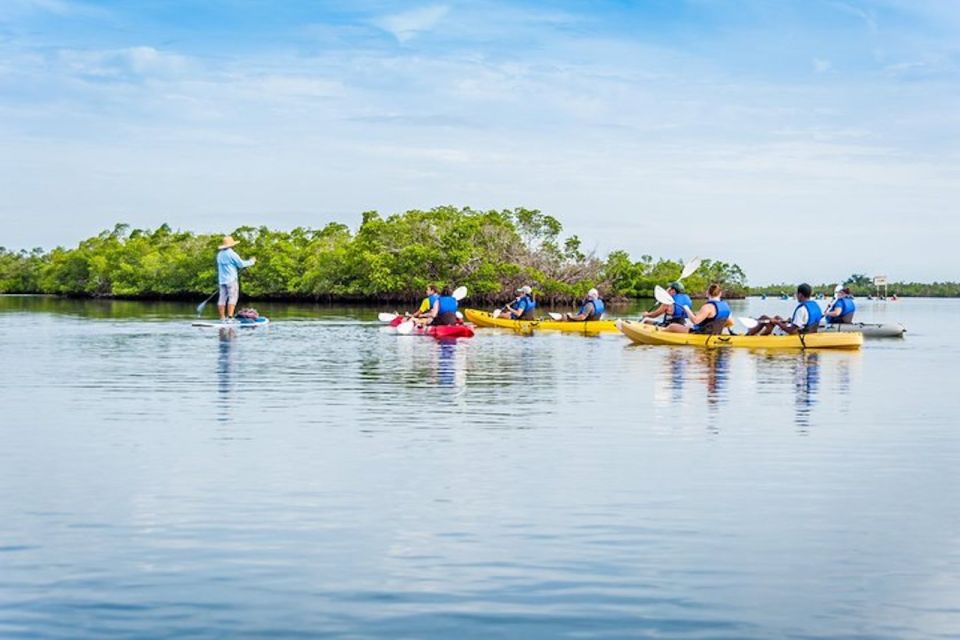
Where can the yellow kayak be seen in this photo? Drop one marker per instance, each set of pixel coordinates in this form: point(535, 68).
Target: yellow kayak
point(643, 333)
point(484, 319)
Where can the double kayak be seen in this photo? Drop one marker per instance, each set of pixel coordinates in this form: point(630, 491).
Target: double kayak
point(436, 331)
point(869, 330)
point(642, 333)
point(485, 319)
point(239, 323)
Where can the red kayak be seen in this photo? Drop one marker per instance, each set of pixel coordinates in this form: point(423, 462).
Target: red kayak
point(437, 331)
point(445, 331)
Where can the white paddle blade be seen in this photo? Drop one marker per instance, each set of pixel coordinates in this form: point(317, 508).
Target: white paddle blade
point(405, 327)
point(661, 295)
point(460, 293)
point(690, 267)
point(386, 316)
point(459, 316)
point(496, 313)
point(749, 323)
point(555, 315)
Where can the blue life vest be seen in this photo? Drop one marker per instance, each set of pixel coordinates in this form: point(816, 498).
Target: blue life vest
point(448, 304)
point(846, 307)
point(719, 319)
point(814, 314)
point(598, 308)
point(680, 301)
point(432, 299)
point(527, 303)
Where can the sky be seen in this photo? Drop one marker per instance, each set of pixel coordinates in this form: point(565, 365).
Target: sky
point(803, 140)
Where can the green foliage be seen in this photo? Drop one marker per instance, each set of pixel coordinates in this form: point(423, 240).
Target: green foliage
point(394, 257)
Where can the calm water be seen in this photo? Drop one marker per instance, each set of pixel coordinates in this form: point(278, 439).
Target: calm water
point(323, 477)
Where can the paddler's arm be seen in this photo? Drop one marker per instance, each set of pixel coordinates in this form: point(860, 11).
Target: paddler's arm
point(706, 312)
point(581, 317)
point(659, 311)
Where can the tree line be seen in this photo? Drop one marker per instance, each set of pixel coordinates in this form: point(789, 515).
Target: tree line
point(387, 258)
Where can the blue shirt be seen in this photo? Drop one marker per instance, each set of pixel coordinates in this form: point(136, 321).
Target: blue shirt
point(228, 264)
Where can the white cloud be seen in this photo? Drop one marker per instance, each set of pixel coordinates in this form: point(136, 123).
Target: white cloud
point(409, 24)
point(129, 63)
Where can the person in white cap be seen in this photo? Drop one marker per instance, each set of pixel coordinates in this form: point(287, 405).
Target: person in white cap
point(228, 273)
point(591, 309)
point(522, 308)
point(843, 308)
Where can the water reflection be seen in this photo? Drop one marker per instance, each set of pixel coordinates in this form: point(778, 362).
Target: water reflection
point(806, 383)
point(226, 371)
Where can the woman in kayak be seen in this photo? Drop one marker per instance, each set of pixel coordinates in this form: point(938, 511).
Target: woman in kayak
point(433, 294)
point(842, 309)
point(590, 310)
point(522, 308)
point(444, 309)
point(712, 317)
point(805, 319)
point(672, 313)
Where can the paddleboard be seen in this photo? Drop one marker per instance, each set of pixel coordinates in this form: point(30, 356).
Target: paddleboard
point(237, 324)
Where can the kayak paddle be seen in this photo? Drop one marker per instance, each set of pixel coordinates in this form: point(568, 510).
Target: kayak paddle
point(385, 316)
point(749, 323)
point(689, 268)
point(555, 315)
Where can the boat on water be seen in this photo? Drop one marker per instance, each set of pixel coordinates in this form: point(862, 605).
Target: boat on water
point(592, 327)
point(648, 334)
point(868, 329)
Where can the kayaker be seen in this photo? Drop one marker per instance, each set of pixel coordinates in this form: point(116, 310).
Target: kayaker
point(843, 308)
point(522, 308)
point(444, 309)
point(433, 294)
point(228, 274)
point(805, 319)
point(712, 317)
point(591, 309)
point(672, 313)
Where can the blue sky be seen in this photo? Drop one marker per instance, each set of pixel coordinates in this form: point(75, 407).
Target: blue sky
point(803, 140)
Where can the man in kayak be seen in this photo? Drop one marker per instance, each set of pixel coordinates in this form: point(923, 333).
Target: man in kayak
point(443, 311)
point(712, 317)
point(843, 308)
point(228, 274)
point(672, 313)
point(805, 319)
point(522, 308)
point(591, 309)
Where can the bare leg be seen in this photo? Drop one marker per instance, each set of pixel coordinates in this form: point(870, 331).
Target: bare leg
point(221, 309)
point(230, 309)
point(677, 328)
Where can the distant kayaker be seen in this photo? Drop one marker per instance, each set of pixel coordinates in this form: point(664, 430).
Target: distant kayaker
point(843, 308)
point(672, 313)
point(805, 319)
point(523, 307)
point(228, 273)
point(444, 309)
point(712, 317)
point(433, 294)
point(591, 309)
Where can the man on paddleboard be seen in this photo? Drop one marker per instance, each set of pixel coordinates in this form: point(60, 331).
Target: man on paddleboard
point(228, 273)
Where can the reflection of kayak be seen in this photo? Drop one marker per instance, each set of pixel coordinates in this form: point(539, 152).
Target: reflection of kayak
point(484, 319)
point(869, 330)
point(649, 334)
point(239, 323)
